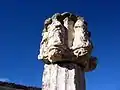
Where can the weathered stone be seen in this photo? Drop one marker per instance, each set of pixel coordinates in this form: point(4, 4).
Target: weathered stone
point(66, 49)
point(63, 76)
point(66, 38)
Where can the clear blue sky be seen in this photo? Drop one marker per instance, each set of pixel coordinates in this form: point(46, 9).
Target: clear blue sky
point(21, 24)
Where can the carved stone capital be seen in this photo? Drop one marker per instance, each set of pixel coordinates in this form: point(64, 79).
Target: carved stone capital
point(66, 39)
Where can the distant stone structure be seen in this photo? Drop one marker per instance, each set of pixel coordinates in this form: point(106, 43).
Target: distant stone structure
point(66, 49)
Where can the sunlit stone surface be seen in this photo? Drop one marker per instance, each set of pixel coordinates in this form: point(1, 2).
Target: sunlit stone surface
point(66, 50)
point(63, 77)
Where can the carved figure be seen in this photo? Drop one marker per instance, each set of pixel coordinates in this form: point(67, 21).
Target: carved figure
point(66, 38)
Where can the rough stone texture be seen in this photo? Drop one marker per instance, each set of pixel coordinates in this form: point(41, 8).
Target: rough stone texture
point(66, 38)
point(65, 76)
point(66, 49)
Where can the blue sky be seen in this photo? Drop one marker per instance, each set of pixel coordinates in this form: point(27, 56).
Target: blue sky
point(21, 24)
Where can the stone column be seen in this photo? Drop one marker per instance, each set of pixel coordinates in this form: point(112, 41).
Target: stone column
point(63, 76)
point(66, 50)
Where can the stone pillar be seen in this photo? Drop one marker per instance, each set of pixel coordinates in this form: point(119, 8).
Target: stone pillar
point(66, 50)
point(63, 76)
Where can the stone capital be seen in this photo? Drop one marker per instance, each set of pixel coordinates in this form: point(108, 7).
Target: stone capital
point(66, 39)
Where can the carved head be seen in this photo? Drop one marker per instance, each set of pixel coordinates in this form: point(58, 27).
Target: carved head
point(80, 23)
point(54, 25)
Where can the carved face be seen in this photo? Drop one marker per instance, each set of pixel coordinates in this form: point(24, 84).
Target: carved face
point(55, 33)
point(54, 25)
point(79, 24)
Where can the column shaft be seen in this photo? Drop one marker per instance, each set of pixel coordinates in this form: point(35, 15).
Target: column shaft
point(63, 77)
